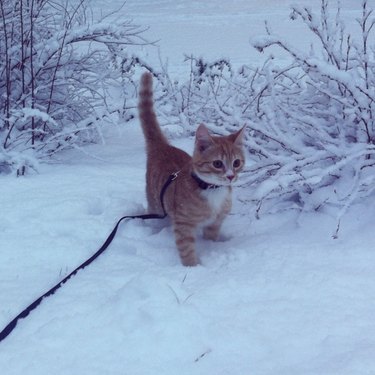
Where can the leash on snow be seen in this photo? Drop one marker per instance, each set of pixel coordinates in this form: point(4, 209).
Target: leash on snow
point(12, 325)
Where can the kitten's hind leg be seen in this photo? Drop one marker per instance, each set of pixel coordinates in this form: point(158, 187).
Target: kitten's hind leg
point(211, 232)
point(153, 203)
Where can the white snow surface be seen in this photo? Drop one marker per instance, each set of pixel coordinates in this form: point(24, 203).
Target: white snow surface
point(278, 296)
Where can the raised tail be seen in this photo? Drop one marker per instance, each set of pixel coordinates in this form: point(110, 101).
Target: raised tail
point(150, 126)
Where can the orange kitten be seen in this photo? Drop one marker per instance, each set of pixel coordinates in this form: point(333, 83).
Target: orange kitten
point(201, 194)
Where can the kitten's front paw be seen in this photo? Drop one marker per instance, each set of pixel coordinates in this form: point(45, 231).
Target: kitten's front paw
point(190, 261)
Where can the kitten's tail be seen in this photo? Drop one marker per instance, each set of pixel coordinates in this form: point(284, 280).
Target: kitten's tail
point(150, 126)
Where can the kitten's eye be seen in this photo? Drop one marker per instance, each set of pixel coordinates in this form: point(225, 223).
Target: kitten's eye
point(236, 163)
point(217, 164)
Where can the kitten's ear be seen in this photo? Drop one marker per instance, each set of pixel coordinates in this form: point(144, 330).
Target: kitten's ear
point(237, 137)
point(203, 139)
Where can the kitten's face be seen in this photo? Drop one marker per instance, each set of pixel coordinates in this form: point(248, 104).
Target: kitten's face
point(218, 160)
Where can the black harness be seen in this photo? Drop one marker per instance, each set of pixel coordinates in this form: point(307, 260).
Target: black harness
point(202, 184)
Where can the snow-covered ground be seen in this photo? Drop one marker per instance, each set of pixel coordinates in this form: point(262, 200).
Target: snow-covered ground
point(279, 296)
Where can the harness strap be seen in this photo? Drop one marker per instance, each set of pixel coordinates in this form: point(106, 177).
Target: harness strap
point(12, 325)
point(203, 184)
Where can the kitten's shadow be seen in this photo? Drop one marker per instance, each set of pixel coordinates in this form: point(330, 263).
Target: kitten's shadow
point(223, 237)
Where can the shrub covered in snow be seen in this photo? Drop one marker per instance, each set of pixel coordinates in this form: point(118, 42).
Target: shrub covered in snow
point(324, 103)
point(55, 72)
point(310, 118)
point(310, 122)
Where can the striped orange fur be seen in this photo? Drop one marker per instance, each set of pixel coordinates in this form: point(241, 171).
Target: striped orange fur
point(216, 160)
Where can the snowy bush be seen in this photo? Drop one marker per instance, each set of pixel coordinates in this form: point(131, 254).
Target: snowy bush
point(322, 108)
point(310, 122)
point(55, 73)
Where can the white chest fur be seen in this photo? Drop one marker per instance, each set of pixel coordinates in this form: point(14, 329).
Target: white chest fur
point(216, 198)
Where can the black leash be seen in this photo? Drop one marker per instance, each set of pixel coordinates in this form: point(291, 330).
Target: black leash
point(12, 325)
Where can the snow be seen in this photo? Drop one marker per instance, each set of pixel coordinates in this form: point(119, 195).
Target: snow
point(277, 295)
point(219, 29)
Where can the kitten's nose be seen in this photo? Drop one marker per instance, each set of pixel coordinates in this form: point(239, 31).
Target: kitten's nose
point(230, 177)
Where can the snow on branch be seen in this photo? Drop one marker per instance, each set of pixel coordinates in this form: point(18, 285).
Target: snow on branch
point(56, 72)
point(310, 123)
